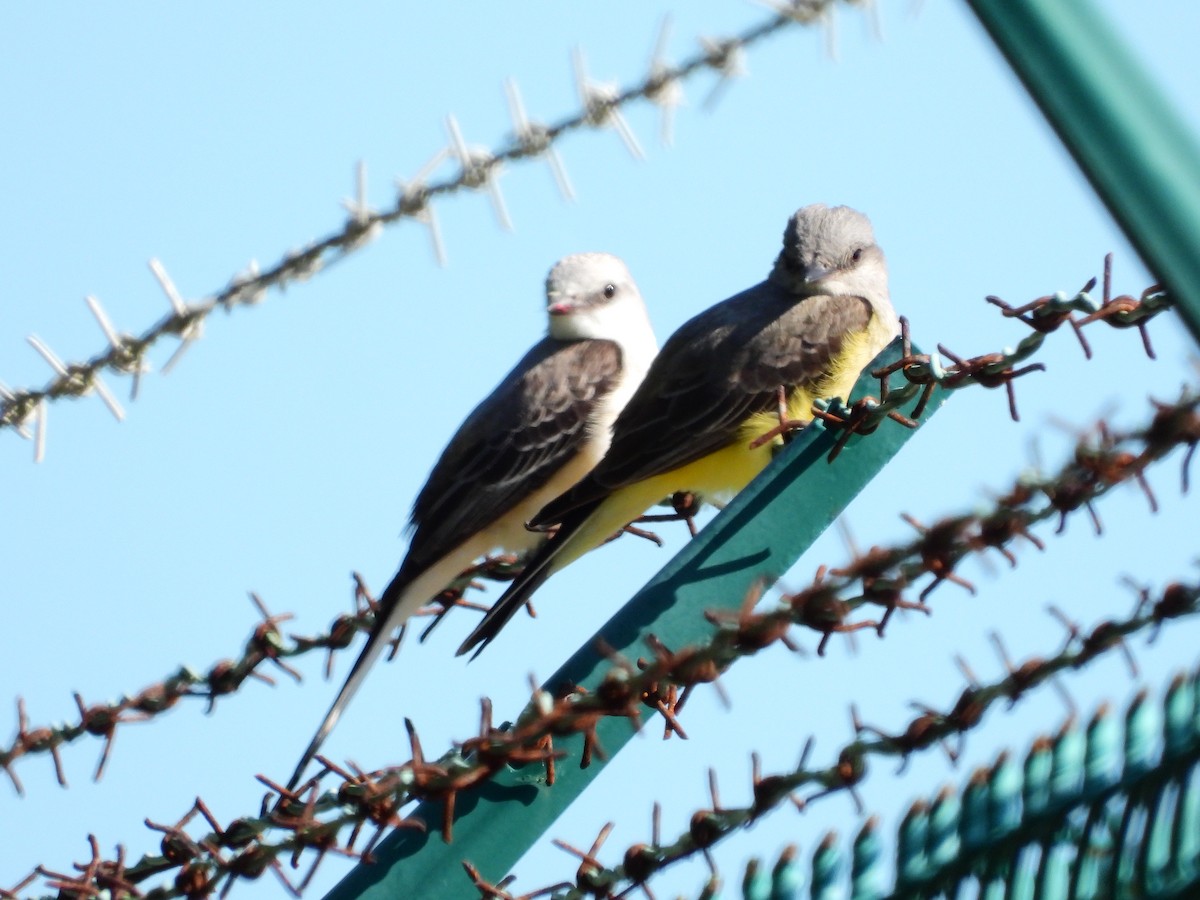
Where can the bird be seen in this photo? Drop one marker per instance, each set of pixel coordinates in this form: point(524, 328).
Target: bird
point(542, 428)
point(806, 332)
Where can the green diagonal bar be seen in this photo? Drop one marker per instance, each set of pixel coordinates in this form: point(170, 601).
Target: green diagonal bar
point(1139, 156)
point(759, 535)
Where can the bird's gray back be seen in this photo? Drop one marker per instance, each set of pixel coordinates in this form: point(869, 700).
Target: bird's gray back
point(512, 443)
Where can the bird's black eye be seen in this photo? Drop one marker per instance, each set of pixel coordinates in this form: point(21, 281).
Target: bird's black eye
point(609, 291)
point(857, 254)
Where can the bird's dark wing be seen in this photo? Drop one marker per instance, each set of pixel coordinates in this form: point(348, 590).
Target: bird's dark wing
point(511, 444)
point(715, 371)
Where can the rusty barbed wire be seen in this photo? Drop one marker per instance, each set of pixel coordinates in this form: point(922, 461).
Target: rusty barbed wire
point(101, 720)
point(880, 577)
point(922, 373)
point(266, 644)
point(930, 728)
point(374, 799)
point(1044, 315)
point(600, 107)
point(1092, 811)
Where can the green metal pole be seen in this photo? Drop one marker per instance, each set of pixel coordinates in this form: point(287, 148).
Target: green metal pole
point(1139, 156)
point(756, 537)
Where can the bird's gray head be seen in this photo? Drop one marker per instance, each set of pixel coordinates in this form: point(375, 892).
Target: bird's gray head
point(593, 296)
point(830, 250)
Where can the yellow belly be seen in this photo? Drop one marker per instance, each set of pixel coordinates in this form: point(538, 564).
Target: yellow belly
point(723, 473)
point(719, 475)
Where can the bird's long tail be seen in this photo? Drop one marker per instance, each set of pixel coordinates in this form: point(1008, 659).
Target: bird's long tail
point(538, 567)
point(389, 604)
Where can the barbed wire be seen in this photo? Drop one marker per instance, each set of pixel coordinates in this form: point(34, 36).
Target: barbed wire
point(266, 644)
point(883, 577)
point(1044, 315)
point(641, 861)
point(1089, 814)
point(600, 107)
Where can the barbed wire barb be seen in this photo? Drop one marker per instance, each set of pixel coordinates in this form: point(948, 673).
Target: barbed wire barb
point(480, 169)
point(364, 224)
point(601, 106)
point(245, 287)
point(534, 138)
point(79, 384)
point(190, 322)
point(126, 359)
point(807, 12)
point(412, 199)
point(664, 91)
point(726, 58)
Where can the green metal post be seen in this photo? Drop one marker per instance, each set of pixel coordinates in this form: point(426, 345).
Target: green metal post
point(756, 537)
point(1140, 158)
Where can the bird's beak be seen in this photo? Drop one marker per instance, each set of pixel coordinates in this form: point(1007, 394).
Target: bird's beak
point(561, 307)
point(816, 273)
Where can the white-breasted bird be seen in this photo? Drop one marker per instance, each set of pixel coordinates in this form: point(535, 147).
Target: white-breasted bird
point(822, 314)
point(543, 428)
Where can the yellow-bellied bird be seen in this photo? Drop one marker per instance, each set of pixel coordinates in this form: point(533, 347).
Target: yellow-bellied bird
point(822, 314)
point(546, 424)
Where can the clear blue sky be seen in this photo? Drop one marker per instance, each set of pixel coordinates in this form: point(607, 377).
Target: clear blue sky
point(285, 449)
